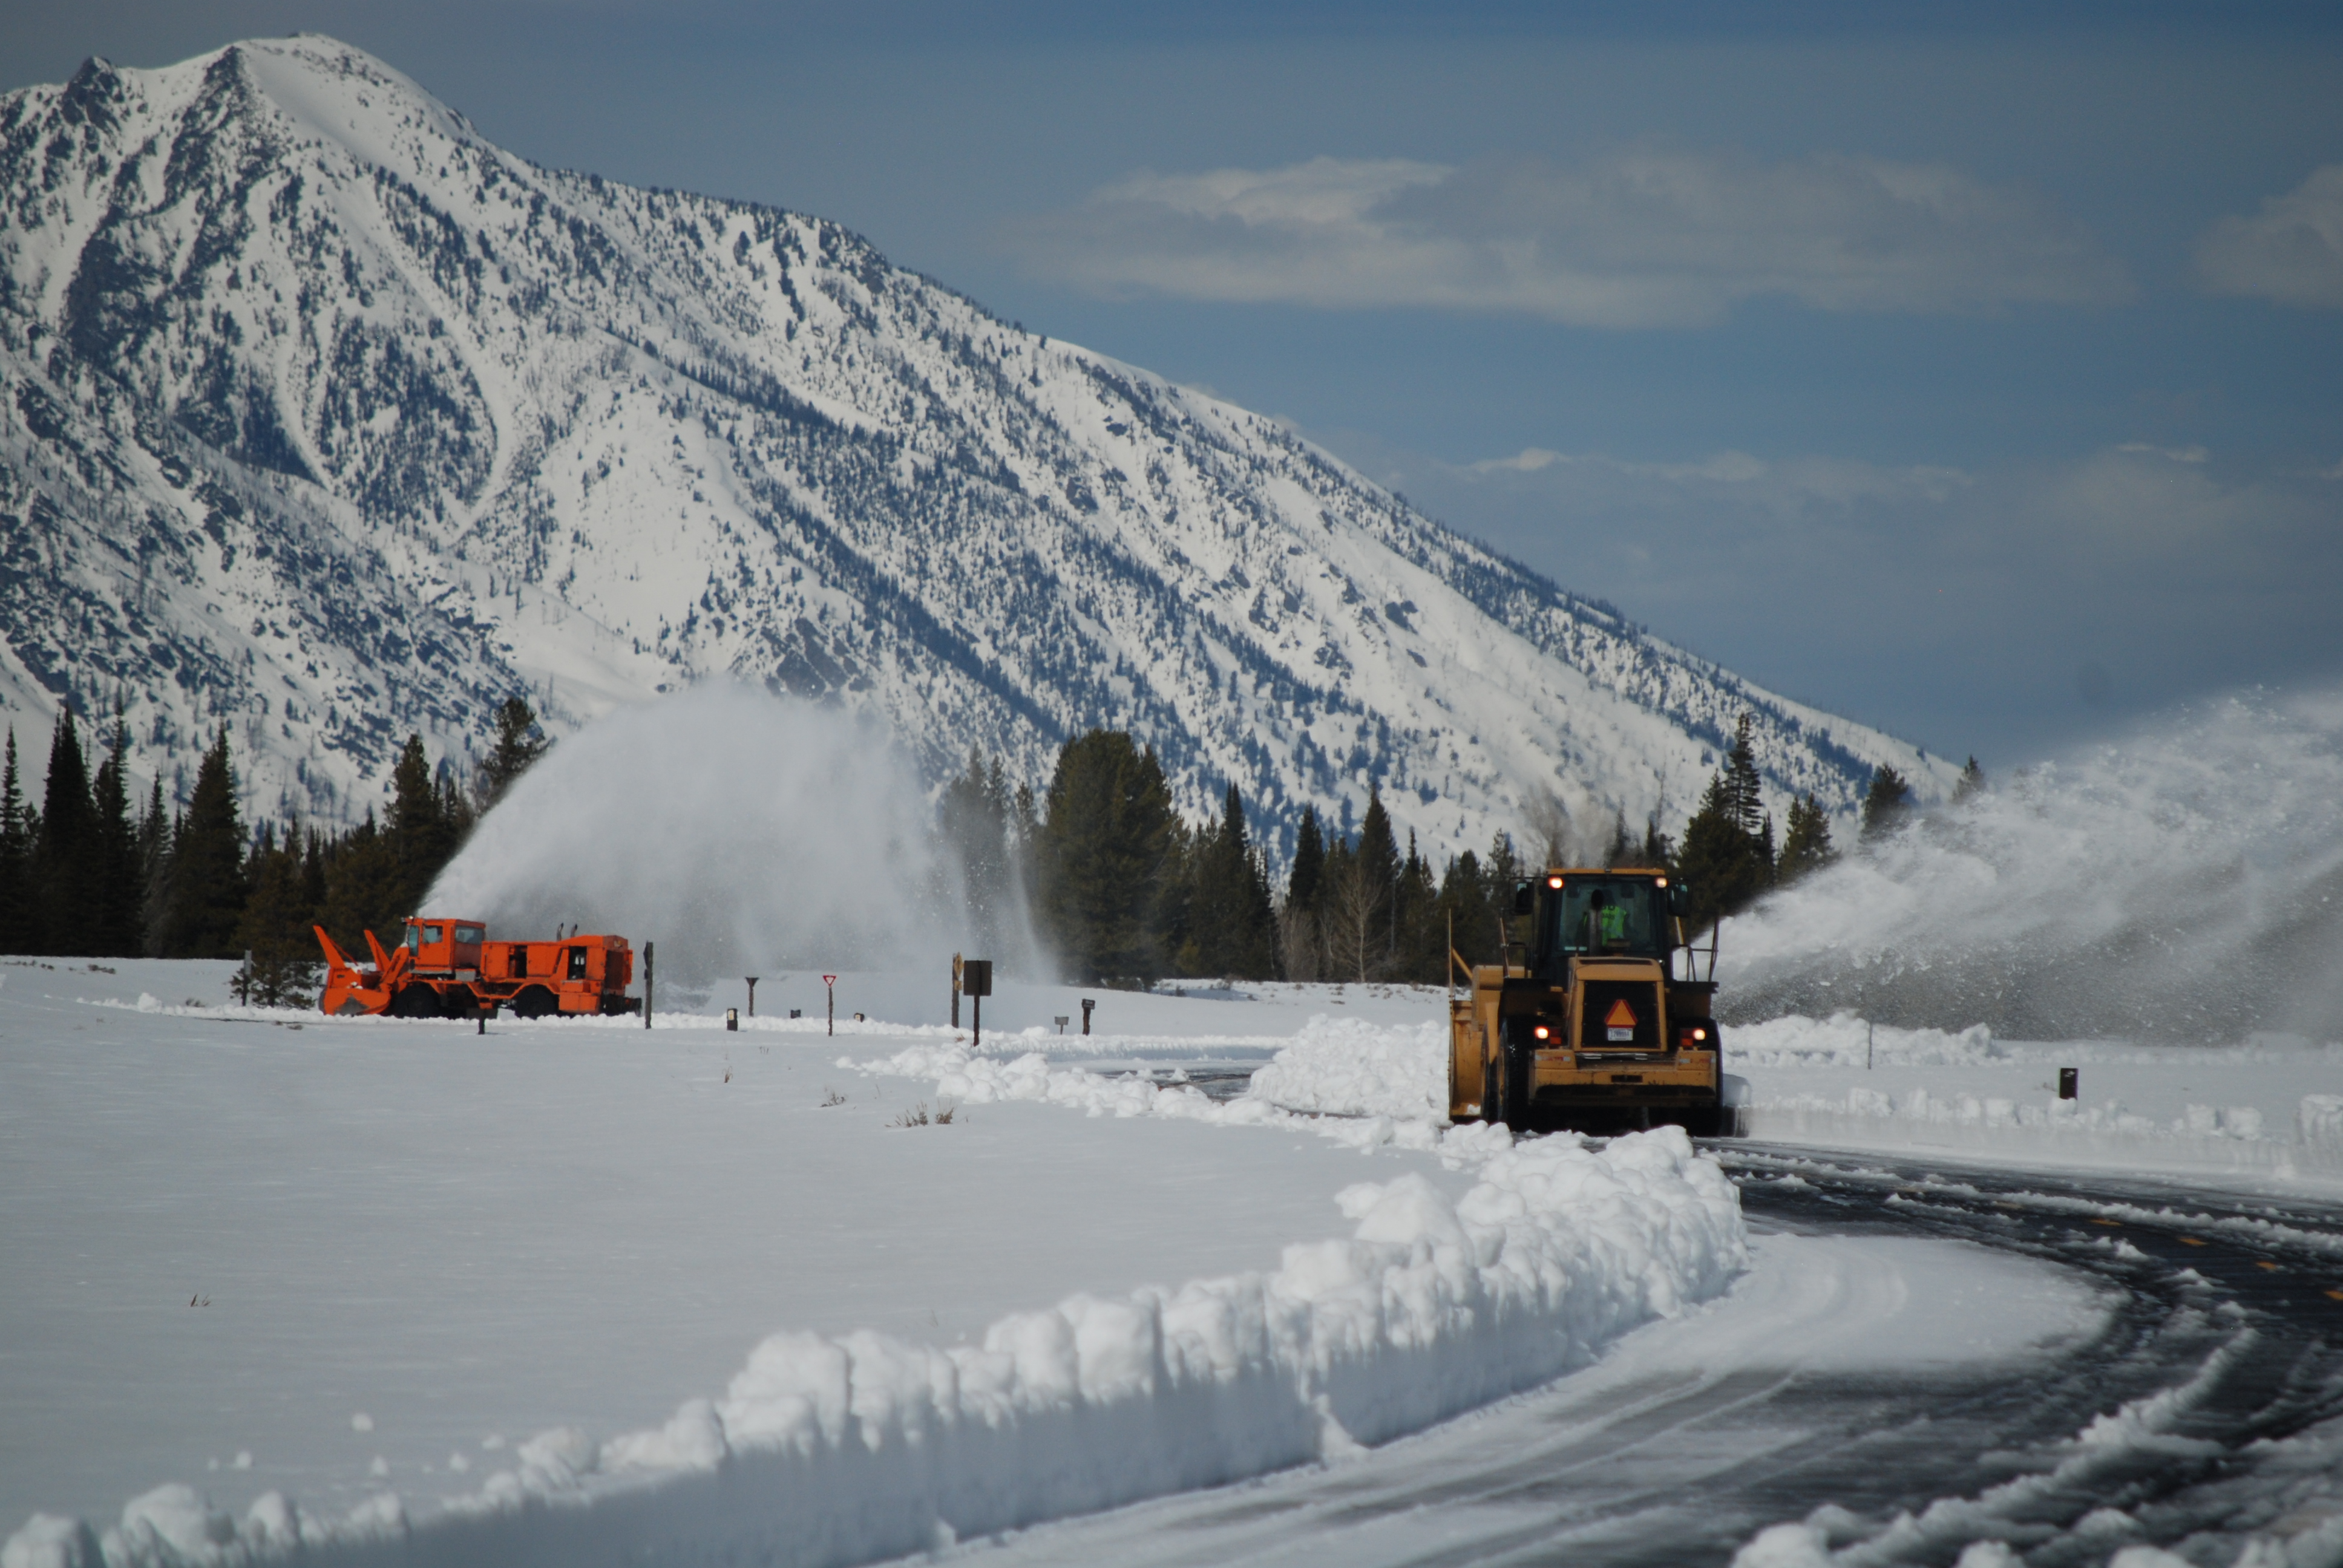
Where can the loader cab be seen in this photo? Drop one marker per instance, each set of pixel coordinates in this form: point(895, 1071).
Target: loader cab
point(1599, 914)
point(443, 946)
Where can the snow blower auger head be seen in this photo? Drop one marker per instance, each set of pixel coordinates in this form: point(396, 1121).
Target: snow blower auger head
point(1584, 1022)
point(449, 969)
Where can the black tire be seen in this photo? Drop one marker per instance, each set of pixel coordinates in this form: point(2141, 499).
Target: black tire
point(1493, 1093)
point(1513, 1072)
point(535, 1002)
point(1708, 1121)
point(415, 1001)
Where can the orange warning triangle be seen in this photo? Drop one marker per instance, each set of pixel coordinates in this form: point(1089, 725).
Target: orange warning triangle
point(1620, 1016)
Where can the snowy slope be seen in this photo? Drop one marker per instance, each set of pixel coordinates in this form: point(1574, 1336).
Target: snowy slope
point(329, 419)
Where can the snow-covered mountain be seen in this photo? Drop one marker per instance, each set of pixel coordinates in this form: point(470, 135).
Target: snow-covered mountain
point(326, 416)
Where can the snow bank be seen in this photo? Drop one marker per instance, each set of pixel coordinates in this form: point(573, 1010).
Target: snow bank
point(1801, 1092)
point(1844, 1040)
point(845, 1449)
point(962, 1077)
point(1349, 1067)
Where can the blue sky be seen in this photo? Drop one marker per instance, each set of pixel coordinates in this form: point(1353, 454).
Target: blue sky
point(1978, 376)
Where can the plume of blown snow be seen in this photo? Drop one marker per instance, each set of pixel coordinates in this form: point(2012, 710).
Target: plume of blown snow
point(2186, 885)
point(741, 832)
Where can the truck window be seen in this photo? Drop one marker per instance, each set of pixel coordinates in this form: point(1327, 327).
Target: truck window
point(470, 936)
point(577, 963)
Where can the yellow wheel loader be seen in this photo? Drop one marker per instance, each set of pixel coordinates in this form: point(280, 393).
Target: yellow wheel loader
point(1585, 1021)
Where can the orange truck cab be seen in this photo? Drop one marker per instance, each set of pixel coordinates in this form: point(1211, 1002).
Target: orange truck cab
point(447, 967)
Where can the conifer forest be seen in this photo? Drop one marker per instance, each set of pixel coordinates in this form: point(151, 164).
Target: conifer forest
point(1115, 883)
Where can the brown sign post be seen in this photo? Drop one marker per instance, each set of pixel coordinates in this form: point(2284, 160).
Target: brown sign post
point(976, 984)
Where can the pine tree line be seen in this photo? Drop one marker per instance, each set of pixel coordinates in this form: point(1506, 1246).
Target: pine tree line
point(80, 875)
point(1128, 892)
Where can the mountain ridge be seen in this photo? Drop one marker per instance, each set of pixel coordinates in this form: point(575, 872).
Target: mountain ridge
point(319, 415)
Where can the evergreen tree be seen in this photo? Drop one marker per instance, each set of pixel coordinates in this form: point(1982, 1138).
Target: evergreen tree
point(519, 743)
point(1378, 870)
point(206, 891)
point(1744, 790)
point(1229, 928)
point(156, 834)
point(118, 881)
point(1725, 865)
point(364, 889)
point(274, 927)
point(1423, 934)
point(1970, 784)
point(19, 910)
point(1302, 938)
point(1806, 845)
point(1468, 912)
point(1104, 847)
point(1309, 863)
point(1886, 805)
point(422, 837)
point(66, 850)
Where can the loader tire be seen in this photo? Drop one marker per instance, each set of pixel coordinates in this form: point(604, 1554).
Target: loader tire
point(1509, 1075)
point(536, 1002)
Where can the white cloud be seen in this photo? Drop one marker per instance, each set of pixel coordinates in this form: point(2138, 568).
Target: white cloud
point(2290, 252)
point(1780, 487)
point(1641, 237)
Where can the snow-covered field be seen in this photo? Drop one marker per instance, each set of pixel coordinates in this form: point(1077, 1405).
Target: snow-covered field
point(573, 1287)
point(271, 1277)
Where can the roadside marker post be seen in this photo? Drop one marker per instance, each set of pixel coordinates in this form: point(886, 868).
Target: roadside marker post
point(831, 981)
point(976, 984)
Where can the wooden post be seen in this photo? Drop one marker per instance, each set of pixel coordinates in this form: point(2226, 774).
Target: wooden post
point(650, 971)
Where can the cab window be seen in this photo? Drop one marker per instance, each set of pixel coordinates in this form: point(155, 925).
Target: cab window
point(1600, 915)
point(577, 963)
point(470, 936)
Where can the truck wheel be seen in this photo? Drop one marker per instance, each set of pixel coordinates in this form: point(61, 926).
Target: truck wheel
point(1514, 1072)
point(415, 1001)
point(535, 1002)
point(1493, 1093)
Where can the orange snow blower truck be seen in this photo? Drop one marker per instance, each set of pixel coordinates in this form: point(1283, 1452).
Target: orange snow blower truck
point(449, 969)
